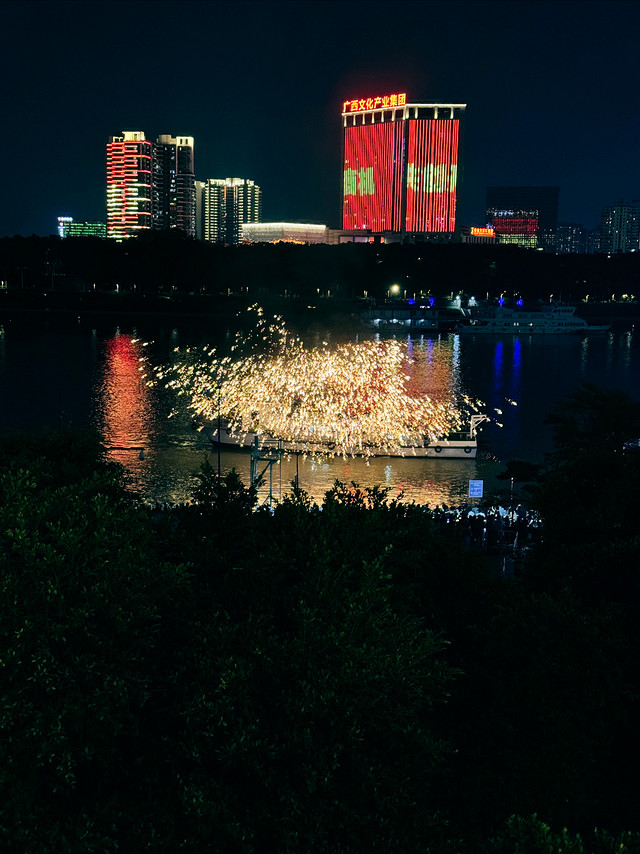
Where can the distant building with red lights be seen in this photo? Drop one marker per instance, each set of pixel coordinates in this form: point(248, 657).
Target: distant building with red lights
point(525, 216)
point(150, 185)
point(129, 184)
point(401, 166)
point(477, 234)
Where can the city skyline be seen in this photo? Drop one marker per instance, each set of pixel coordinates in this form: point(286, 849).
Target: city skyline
point(548, 88)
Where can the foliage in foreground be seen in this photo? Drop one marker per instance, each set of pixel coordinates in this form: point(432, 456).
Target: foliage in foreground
point(146, 706)
point(212, 677)
point(533, 836)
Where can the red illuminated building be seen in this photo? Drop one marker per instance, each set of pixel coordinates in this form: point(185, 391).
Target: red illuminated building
point(129, 184)
point(150, 185)
point(400, 165)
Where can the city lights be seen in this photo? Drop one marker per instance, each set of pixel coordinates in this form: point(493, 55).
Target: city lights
point(372, 179)
point(400, 168)
point(432, 171)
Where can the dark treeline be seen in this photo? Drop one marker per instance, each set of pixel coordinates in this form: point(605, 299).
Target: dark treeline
point(345, 678)
point(172, 263)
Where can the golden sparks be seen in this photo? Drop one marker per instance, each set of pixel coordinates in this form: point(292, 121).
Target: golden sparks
point(343, 400)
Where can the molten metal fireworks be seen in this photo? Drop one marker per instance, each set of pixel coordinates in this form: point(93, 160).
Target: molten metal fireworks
point(351, 398)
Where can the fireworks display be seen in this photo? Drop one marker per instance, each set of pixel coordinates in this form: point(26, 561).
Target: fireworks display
point(354, 398)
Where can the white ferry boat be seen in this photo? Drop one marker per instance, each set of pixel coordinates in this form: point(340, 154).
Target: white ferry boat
point(552, 319)
point(463, 445)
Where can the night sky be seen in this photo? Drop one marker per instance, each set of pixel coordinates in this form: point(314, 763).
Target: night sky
point(551, 90)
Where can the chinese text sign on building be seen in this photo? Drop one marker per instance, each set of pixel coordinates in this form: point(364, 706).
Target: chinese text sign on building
point(381, 102)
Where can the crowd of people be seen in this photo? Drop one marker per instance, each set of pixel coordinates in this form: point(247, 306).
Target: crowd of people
point(493, 528)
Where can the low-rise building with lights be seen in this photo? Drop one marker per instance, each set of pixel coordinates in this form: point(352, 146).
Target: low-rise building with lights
point(478, 234)
point(67, 227)
point(284, 232)
point(524, 216)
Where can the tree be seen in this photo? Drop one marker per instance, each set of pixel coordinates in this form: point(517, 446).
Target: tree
point(319, 716)
point(91, 633)
point(587, 497)
point(593, 420)
point(277, 701)
point(215, 492)
point(533, 836)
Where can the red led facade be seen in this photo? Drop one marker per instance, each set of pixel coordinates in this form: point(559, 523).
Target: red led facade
point(515, 224)
point(432, 175)
point(372, 188)
point(400, 168)
point(129, 164)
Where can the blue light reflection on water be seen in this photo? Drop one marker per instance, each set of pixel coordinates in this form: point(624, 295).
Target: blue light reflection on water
point(516, 366)
point(89, 373)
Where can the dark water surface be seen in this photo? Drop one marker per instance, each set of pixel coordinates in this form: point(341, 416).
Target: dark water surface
point(61, 372)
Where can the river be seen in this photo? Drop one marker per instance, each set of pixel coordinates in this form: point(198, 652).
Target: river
point(60, 373)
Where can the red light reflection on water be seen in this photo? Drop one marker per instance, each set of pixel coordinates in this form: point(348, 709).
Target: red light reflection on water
point(124, 404)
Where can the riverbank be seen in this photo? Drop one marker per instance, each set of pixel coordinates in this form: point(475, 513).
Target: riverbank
point(218, 311)
point(223, 308)
point(620, 316)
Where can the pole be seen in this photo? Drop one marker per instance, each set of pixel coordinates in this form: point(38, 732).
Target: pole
point(219, 432)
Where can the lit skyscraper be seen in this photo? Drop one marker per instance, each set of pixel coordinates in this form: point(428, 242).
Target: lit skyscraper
point(224, 204)
point(150, 185)
point(129, 184)
point(620, 228)
point(174, 188)
point(571, 238)
point(129, 190)
point(400, 165)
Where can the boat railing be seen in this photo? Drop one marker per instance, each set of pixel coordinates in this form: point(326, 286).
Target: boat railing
point(475, 421)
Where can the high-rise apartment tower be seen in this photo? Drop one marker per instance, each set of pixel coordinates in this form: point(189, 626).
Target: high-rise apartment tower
point(150, 185)
point(223, 205)
point(129, 184)
point(571, 238)
point(174, 187)
point(620, 228)
point(401, 165)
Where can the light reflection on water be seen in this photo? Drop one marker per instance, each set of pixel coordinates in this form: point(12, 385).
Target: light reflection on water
point(124, 415)
point(92, 376)
point(133, 418)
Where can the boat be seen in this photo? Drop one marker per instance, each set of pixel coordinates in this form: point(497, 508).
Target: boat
point(552, 319)
point(461, 445)
point(410, 315)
